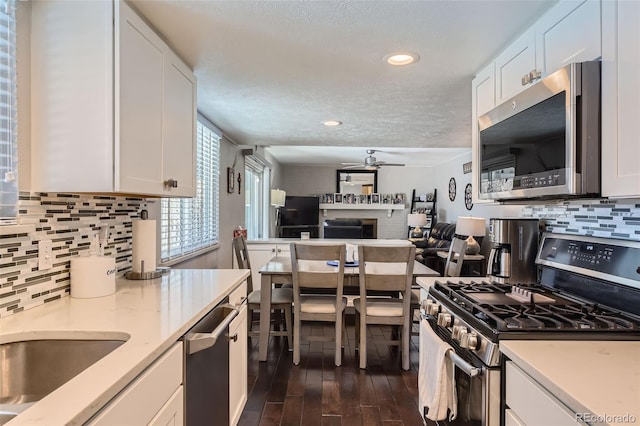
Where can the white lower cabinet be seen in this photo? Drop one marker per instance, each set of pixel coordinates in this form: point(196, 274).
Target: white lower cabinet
point(260, 254)
point(238, 372)
point(171, 413)
point(531, 404)
point(154, 397)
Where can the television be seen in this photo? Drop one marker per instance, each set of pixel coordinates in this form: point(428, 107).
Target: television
point(300, 211)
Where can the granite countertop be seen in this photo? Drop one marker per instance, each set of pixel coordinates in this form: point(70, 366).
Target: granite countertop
point(150, 315)
point(601, 378)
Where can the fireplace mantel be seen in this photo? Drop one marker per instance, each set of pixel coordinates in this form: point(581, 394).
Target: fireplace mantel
point(389, 207)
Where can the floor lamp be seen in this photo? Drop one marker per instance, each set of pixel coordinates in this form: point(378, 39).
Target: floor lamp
point(278, 197)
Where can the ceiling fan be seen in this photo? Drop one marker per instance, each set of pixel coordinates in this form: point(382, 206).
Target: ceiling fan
point(370, 162)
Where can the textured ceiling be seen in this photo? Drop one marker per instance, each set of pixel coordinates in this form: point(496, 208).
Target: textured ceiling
point(269, 72)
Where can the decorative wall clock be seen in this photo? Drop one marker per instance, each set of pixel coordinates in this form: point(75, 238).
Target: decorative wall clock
point(452, 189)
point(468, 199)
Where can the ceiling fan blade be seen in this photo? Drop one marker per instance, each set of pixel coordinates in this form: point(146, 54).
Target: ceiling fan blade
point(390, 164)
point(353, 166)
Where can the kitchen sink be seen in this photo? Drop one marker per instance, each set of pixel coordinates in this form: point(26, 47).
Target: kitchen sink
point(32, 369)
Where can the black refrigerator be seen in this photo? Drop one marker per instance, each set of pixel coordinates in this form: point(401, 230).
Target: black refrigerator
point(299, 214)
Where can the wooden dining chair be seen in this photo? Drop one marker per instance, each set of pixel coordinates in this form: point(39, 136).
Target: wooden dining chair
point(318, 291)
point(452, 268)
point(281, 298)
point(384, 269)
point(455, 258)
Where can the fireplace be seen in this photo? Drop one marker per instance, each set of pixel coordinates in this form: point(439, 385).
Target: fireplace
point(369, 227)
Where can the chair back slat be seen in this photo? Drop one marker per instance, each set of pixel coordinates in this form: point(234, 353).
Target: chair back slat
point(392, 254)
point(386, 268)
point(309, 266)
point(242, 258)
point(455, 258)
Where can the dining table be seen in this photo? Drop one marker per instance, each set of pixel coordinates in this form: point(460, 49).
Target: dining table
point(278, 271)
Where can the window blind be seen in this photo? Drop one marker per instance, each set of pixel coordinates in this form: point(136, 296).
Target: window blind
point(191, 224)
point(8, 156)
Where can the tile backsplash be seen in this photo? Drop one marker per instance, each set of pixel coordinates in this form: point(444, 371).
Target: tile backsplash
point(70, 221)
point(598, 218)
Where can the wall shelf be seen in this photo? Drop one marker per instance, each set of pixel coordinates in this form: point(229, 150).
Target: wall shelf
point(389, 207)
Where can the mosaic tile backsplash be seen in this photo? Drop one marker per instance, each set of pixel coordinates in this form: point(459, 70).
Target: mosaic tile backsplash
point(598, 218)
point(70, 221)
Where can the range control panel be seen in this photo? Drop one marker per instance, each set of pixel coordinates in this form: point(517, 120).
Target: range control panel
point(616, 258)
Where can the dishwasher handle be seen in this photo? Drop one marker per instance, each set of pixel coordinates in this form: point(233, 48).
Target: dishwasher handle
point(197, 342)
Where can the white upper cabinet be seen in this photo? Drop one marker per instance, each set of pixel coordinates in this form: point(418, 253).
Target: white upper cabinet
point(483, 99)
point(620, 99)
point(113, 108)
point(568, 32)
point(514, 64)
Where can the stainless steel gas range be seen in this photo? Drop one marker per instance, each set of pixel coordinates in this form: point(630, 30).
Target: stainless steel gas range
point(589, 290)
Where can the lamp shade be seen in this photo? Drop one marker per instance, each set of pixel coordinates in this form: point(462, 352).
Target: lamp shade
point(470, 226)
point(417, 219)
point(278, 197)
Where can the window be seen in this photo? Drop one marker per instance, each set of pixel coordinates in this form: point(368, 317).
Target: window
point(189, 225)
point(256, 190)
point(8, 141)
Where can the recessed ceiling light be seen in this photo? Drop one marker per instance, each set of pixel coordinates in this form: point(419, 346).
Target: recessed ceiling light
point(401, 58)
point(332, 123)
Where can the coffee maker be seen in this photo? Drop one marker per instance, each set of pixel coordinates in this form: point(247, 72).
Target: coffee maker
point(514, 244)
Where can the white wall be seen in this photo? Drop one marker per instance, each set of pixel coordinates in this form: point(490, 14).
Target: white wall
point(310, 180)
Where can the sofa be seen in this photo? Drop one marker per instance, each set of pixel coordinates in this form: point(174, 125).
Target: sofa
point(439, 240)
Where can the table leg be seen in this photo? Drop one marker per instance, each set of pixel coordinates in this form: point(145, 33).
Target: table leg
point(265, 315)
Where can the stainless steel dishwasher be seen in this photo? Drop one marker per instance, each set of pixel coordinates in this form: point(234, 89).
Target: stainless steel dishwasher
point(206, 371)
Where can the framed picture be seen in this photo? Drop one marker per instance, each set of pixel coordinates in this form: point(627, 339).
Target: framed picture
point(231, 176)
point(375, 198)
point(328, 198)
point(398, 199)
point(337, 197)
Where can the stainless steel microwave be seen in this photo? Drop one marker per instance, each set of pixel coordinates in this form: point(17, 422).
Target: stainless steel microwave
point(545, 141)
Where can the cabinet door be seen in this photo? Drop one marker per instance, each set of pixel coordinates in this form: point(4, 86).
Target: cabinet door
point(139, 402)
point(171, 413)
point(139, 76)
point(517, 61)
point(238, 372)
point(570, 32)
point(179, 128)
point(620, 98)
point(482, 100)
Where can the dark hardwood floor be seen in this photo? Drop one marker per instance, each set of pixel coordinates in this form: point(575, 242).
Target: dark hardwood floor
point(316, 392)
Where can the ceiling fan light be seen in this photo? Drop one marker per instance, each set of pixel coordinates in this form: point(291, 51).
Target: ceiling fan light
point(401, 58)
point(331, 123)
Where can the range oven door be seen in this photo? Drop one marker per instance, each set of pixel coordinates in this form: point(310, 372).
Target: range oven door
point(477, 387)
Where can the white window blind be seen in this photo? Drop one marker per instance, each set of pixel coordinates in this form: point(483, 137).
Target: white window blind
point(8, 141)
point(191, 224)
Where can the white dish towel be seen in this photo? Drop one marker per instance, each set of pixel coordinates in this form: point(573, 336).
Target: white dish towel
point(436, 376)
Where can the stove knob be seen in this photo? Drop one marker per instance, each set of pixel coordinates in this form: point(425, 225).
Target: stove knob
point(434, 308)
point(468, 340)
point(456, 331)
point(444, 319)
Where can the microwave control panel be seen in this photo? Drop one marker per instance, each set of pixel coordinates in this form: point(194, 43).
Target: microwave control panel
point(540, 180)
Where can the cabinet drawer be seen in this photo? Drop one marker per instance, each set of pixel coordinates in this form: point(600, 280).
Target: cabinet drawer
point(533, 404)
point(139, 402)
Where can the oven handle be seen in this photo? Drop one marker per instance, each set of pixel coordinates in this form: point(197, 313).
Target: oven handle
point(463, 365)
